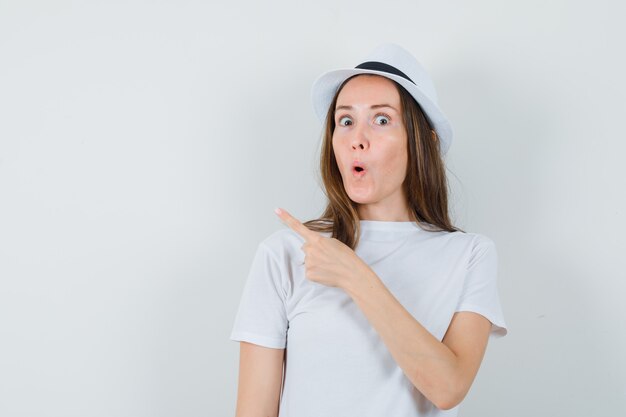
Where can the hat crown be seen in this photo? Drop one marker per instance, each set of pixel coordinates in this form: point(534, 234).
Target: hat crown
point(403, 60)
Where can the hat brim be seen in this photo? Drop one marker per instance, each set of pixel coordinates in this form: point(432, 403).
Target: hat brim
point(326, 86)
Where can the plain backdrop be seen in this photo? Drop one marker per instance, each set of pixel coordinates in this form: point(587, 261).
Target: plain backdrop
point(145, 144)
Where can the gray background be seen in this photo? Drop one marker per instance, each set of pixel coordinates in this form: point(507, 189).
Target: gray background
point(144, 145)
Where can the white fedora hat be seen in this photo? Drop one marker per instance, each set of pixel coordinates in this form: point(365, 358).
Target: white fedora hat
point(396, 63)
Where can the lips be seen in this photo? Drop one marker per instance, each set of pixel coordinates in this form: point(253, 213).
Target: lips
point(358, 168)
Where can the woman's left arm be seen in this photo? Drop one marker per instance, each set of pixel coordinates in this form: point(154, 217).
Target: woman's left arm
point(442, 371)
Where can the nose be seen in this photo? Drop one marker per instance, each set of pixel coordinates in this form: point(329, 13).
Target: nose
point(360, 137)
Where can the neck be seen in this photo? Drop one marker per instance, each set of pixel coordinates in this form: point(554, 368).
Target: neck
point(386, 214)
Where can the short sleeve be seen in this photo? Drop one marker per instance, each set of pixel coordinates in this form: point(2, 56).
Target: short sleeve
point(261, 318)
point(480, 291)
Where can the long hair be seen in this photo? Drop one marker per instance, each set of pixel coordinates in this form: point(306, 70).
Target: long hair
point(425, 184)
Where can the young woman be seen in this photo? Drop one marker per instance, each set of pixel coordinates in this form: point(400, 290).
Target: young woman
point(381, 307)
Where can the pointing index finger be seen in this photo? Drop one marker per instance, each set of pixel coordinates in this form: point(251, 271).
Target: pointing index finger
point(295, 225)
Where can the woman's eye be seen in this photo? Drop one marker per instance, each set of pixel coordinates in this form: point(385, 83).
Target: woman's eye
point(345, 121)
point(381, 120)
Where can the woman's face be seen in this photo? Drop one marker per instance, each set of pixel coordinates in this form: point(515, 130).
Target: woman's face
point(370, 134)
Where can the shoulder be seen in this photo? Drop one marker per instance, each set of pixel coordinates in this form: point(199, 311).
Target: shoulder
point(462, 238)
point(466, 245)
point(282, 243)
point(471, 238)
point(480, 240)
point(481, 249)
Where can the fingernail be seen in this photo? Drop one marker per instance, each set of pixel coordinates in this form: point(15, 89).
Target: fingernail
point(278, 211)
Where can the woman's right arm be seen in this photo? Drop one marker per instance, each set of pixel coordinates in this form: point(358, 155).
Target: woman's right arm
point(260, 380)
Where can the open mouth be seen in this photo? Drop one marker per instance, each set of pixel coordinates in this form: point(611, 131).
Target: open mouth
point(358, 168)
point(358, 171)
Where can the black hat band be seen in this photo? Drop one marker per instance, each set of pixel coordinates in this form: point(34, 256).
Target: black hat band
point(382, 67)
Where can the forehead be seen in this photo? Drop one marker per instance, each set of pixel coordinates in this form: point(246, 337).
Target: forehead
point(368, 90)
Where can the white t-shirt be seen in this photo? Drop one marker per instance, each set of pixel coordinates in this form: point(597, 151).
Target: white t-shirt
point(336, 364)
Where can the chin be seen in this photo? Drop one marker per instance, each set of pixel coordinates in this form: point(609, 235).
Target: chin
point(360, 199)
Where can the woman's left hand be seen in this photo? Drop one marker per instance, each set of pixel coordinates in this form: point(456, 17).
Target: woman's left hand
point(327, 261)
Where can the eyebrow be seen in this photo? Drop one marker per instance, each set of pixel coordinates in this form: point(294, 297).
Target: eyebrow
point(375, 106)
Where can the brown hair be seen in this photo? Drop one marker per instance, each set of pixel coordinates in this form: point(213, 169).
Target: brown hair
point(425, 184)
